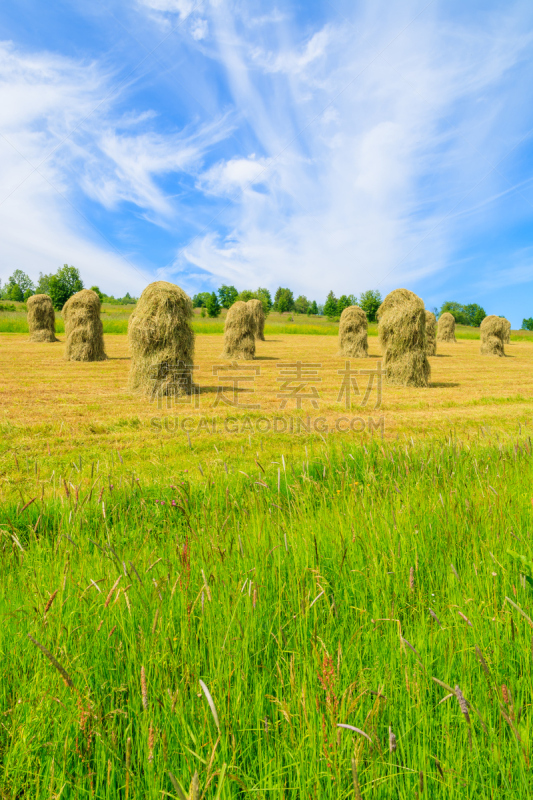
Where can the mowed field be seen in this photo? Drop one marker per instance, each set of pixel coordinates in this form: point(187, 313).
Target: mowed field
point(48, 402)
point(202, 603)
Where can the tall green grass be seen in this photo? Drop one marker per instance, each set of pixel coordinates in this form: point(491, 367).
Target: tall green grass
point(216, 628)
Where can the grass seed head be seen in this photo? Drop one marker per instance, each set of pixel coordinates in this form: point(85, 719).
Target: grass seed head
point(144, 689)
point(41, 318)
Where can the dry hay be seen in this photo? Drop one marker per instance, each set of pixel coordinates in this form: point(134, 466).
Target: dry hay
point(492, 334)
point(258, 316)
point(41, 318)
point(84, 331)
point(431, 334)
point(239, 332)
point(402, 334)
point(446, 328)
point(396, 298)
point(353, 338)
point(507, 334)
point(162, 342)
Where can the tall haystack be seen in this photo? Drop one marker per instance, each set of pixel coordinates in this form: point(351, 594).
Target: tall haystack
point(161, 342)
point(507, 335)
point(83, 327)
point(353, 327)
point(41, 318)
point(258, 315)
point(402, 334)
point(431, 334)
point(239, 332)
point(446, 328)
point(492, 332)
point(396, 298)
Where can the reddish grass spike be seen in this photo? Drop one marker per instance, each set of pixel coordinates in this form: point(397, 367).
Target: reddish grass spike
point(462, 704)
point(144, 690)
point(50, 601)
point(66, 677)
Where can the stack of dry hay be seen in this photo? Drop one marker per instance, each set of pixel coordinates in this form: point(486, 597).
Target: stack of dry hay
point(353, 328)
point(41, 319)
point(402, 334)
point(492, 334)
point(162, 342)
point(258, 315)
point(507, 336)
point(83, 327)
point(431, 334)
point(239, 332)
point(446, 328)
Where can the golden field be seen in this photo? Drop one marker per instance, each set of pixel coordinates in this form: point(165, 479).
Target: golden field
point(48, 403)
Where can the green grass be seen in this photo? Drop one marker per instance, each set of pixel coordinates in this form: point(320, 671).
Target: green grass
point(300, 595)
point(115, 320)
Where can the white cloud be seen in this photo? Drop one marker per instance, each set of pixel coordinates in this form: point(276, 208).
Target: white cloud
point(370, 134)
point(59, 137)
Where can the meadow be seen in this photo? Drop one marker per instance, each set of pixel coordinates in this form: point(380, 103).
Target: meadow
point(211, 609)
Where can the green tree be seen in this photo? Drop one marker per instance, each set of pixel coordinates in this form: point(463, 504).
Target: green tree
point(314, 308)
point(301, 304)
point(43, 284)
point(457, 311)
point(475, 314)
point(344, 302)
point(200, 300)
point(331, 306)
point(227, 295)
point(64, 284)
point(27, 294)
point(370, 301)
point(266, 299)
point(246, 295)
point(212, 306)
point(98, 292)
point(283, 300)
point(14, 292)
point(23, 281)
point(527, 324)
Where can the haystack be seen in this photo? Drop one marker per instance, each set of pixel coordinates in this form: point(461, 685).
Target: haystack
point(507, 335)
point(83, 327)
point(258, 315)
point(492, 331)
point(402, 334)
point(161, 342)
point(353, 327)
point(431, 334)
point(446, 328)
point(239, 332)
point(41, 318)
point(396, 298)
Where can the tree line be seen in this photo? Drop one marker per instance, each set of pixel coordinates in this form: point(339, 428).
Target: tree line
point(67, 281)
point(60, 286)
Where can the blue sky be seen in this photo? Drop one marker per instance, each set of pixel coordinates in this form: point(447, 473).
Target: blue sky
point(316, 145)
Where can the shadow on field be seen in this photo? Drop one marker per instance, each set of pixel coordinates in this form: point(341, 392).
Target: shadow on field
point(443, 385)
